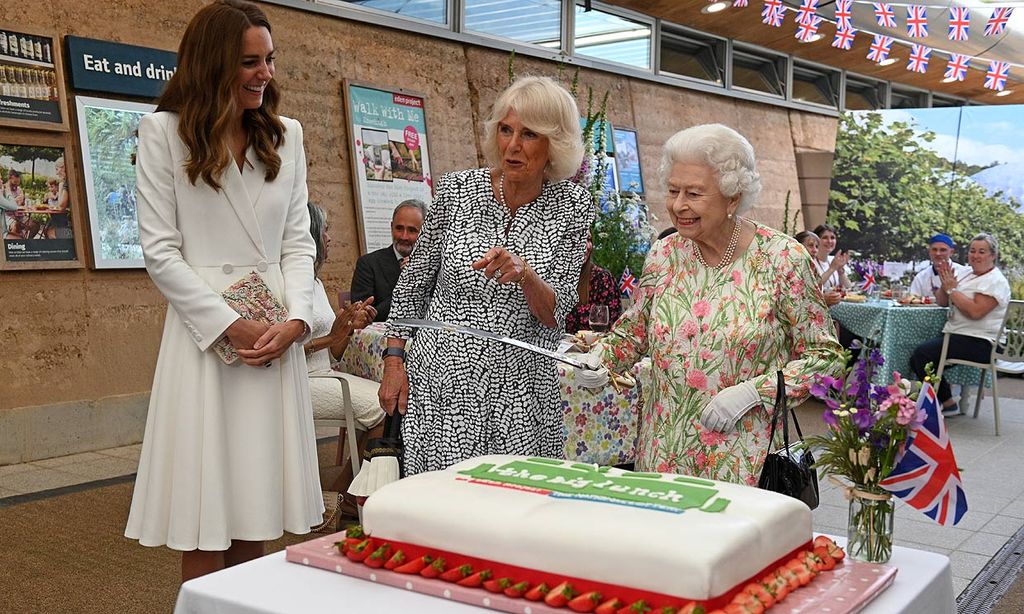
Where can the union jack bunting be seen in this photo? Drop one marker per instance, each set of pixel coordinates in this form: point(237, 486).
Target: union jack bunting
point(995, 78)
point(844, 14)
point(771, 5)
point(880, 48)
point(885, 15)
point(773, 17)
point(627, 283)
point(956, 69)
point(806, 31)
point(926, 477)
point(806, 13)
point(997, 22)
point(917, 22)
point(868, 284)
point(919, 56)
point(739, 4)
point(844, 39)
point(959, 23)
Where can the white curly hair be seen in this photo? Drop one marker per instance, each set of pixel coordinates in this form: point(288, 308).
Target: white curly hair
point(723, 149)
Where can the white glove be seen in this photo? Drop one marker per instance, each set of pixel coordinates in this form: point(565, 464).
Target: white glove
point(596, 377)
point(728, 406)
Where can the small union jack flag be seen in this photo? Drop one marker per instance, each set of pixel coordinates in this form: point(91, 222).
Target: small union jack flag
point(739, 4)
point(919, 56)
point(806, 13)
point(997, 22)
point(844, 14)
point(806, 31)
point(995, 78)
point(844, 39)
point(956, 69)
point(917, 22)
point(926, 477)
point(885, 15)
point(869, 283)
point(773, 17)
point(880, 48)
point(959, 23)
point(627, 283)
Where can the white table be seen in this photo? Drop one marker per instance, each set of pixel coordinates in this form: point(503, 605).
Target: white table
point(924, 584)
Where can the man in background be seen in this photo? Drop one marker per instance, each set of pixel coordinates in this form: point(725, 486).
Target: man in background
point(377, 272)
point(940, 249)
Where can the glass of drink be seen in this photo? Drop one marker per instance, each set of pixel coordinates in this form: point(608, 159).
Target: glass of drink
point(599, 318)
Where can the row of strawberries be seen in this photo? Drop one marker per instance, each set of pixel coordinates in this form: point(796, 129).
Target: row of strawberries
point(755, 598)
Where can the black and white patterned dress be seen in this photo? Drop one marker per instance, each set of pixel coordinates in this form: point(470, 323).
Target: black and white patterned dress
point(470, 396)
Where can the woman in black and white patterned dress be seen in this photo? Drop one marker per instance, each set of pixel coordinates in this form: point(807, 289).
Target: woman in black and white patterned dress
point(500, 250)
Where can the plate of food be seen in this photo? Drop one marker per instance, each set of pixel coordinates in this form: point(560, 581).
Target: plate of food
point(854, 297)
point(913, 300)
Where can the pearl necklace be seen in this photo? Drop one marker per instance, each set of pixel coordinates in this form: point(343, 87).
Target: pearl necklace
point(501, 190)
point(734, 240)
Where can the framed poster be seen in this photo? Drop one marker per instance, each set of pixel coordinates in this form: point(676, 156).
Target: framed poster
point(31, 80)
point(627, 160)
point(389, 151)
point(37, 202)
point(108, 131)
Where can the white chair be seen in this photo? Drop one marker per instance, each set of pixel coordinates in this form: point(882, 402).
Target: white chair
point(1012, 351)
point(347, 422)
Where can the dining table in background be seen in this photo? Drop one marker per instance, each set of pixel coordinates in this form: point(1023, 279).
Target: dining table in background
point(600, 425)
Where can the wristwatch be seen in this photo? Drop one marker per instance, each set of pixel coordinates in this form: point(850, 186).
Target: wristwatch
point(393, 352)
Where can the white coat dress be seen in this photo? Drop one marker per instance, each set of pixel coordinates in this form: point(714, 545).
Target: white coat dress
point(229, 450)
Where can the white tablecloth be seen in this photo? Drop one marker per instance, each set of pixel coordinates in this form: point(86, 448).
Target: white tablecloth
point(924, 585)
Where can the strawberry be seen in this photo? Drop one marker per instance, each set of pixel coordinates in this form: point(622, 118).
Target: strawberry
point(434, 569)
point(559, 596)
point(517, 589)
point(609, 607)
point(537, 593)
point(761, 593)
point(457, 573)
point(497, 585)
point(414, 566)
point(827, 562)
point(355, 532)
point(476, 580)
point(396, 559)
point(749, 602)
point(691, 608)
point(360, 551)
point(587, 602)
point(789, 575)
point(833, 550)
point(637, 607)
point(667, 609)
point(735, 608)
point(379, 557)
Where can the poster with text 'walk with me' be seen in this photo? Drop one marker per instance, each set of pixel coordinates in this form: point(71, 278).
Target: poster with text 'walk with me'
point(390, 162)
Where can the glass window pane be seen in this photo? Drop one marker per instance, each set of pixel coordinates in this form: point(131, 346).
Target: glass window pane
point(427, 10)
point(861, 96)
point(814, 86)
point(757, 73)
point(691, 57)
point(616, 39)
point(532, 21)
point(906, 100)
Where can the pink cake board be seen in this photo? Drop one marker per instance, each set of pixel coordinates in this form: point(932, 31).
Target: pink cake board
point(845, 590)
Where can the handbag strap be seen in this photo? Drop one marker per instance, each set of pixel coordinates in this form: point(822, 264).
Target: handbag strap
point(780, 408)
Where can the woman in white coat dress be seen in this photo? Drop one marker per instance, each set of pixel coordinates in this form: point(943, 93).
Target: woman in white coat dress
point(229, 455)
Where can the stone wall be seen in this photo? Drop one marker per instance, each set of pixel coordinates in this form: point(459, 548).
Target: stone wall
point(73, 337)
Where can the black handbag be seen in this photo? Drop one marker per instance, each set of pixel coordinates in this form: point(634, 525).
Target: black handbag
point(789, 470)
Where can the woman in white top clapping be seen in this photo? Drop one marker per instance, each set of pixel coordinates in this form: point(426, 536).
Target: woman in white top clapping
point(977, 301)
point(831, 268)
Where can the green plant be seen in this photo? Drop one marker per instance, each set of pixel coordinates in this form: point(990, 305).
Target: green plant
point(621, 234)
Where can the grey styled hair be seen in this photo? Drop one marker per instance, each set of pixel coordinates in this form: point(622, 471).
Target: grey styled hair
point(993, 244)
point(726, 151)
point(317, 223)
point(547, 109)
point(415, 203)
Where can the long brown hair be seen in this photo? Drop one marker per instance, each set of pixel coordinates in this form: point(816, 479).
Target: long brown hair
point(203, 89)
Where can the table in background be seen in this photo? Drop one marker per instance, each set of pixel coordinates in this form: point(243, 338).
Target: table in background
point(897, 330)
point(601, 425)
point(271, 585)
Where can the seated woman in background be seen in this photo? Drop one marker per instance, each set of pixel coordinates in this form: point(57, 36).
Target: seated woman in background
point(977, 301)
point(811, 241)
point(831, 268)
point(331, 332)
point(596, 287)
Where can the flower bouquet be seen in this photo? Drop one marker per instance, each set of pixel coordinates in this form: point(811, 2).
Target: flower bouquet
point(868, 428)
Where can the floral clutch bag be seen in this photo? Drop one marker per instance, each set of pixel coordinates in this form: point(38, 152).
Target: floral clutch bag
point(252, 299)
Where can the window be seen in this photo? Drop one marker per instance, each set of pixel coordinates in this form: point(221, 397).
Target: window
point(907, 99)
point(944, 101)
point(427, 10)
point(609, 37)
point(863, 95)
point(759, 72)
point(816, 85)
point(531, 21)
point(692, 55)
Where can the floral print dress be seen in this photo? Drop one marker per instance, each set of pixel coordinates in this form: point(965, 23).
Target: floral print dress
point(706, 330)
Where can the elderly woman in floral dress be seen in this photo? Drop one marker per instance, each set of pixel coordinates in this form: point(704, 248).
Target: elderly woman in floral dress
point(722, 305)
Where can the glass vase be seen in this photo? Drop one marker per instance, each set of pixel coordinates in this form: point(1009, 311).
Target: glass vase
point(869, 528)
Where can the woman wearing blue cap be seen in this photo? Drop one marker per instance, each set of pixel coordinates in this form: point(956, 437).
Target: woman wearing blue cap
point(927, 282)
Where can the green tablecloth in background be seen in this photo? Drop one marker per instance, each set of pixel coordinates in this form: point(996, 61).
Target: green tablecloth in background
point(896, 330)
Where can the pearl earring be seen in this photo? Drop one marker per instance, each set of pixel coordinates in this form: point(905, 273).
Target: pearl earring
point(729, 216)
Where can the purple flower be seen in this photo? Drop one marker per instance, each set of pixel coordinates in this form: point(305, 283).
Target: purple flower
point(829, 417)
point(864, 419)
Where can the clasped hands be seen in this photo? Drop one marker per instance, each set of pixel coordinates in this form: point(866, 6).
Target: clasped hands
point(258, 343)
point(502, 266)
